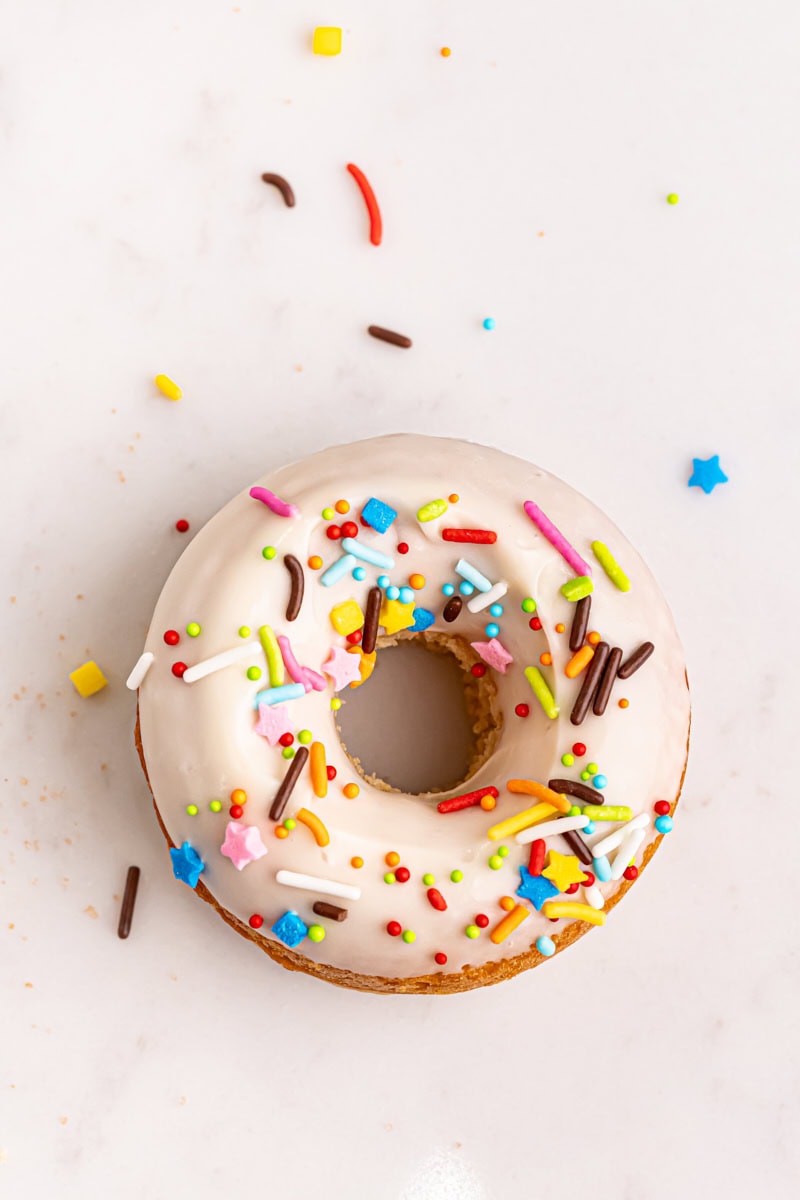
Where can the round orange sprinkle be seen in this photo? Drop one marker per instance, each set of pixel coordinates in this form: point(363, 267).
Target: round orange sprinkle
point(507, 903)
point(454, 496)
point(392, 858)
point(560, 628)
point(593, 638)
point(342, 506)
point(623, 703)
point(445, 53)
point(488, 803)
point(281, 831)
point(357, 862)
point(238, 796)
point(416, 581)
point(315, 562)
point(546, 659)
point(351, 790)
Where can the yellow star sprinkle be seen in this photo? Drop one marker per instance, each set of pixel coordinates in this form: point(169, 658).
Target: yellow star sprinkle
point(396, 616)
point(563, 870)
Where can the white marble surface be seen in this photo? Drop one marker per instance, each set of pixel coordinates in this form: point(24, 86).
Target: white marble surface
point(523, 178)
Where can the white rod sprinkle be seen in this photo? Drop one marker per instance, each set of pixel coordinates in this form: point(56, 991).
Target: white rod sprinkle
point(612, 840)
point(626, 852)
point(225, 659)
point(484, 599)
point(138, 673)
point(562, 825)
point(312, 883)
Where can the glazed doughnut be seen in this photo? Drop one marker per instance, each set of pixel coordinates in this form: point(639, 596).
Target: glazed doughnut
point(575, 682)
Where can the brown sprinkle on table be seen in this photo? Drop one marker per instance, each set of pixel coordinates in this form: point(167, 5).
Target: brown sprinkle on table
point(128, 902)
point(283, 186)
point(388, 335)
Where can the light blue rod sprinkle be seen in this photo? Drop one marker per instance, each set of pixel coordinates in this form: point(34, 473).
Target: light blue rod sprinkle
point(366, 553)
point(337, 570)
point(275, 695)
point(602, 869)
point(473, 575)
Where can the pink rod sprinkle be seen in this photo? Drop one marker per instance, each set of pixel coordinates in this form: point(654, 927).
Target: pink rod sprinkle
point(556, 539)
point(309, 679)
point(278, 506)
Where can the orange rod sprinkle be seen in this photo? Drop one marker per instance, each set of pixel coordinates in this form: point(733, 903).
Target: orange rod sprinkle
point(529, 787)
point(579, 662)
point(319, 770)
point(312, 822)
point(510, 922)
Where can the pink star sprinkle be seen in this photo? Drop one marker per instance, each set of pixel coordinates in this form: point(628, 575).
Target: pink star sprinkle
point(273, 722)
point(242, 844)
point(342, 668)
point(494, 653)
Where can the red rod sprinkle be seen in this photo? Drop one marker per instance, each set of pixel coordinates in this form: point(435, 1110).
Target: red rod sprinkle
point(467, 800)
point(375, 223)
point(478, 537)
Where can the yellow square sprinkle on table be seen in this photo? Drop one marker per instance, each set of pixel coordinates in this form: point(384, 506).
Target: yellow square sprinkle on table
point(347, 617)
point(88, 679)
point(327, 40)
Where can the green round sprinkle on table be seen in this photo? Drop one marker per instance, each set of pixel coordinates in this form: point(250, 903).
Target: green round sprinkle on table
point(269, 552)
point(495, 862)
point(502, 851)
point(409, 936)
point(215, 805)
point(389, 877)
point(568, 760)
point(254, 673)
point(316, 933)
point(456, 876)
point(472, 931)
point(328, 514)
point(290, 823)
point(244, 631)
point(288, 752)
point(529, 604)
point(191, 810)
point(429, 880)
point(193, 629)
point(304, 737)
point(673, 198)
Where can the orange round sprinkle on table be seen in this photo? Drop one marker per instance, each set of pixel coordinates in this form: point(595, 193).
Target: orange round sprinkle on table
point(416, 582)
point(507, 903)
point(281, 831)
point(560, 628)
point(593, 638)
point(546, 659)
point(238, 796)
point(315, 562)
point(351, 790)
point(623, 703)
point(454, 496)
point(342, 506)
point(392, 858)
point(445, 51)
point(357, 862)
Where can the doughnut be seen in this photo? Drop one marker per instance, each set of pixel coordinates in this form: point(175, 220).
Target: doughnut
point(278, 615)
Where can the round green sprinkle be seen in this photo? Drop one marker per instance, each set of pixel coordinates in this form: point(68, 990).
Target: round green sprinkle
point(429, 880)
point(290, 823)
point(585, 775)
point(409, 936)
point(529, 604)
point(568, 760)
point(673, 198)
point(254, 673)
point(304, 737)
point(502, 851)
point(316, 933)
point(472, 931)
point(193, 629)
point(592, 768)
point(215, 805)
point(244, 631)
point(328, 514)
point(288, 752)
point(191, 810)
point(575, 811)
point(456, 876)
point(269, 552)
point(336, 704)
point(495, 862)
point(389, 877)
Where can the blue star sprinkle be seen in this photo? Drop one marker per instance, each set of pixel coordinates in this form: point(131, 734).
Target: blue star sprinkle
point(186, 864)
point(423, 619)
point(290, 929)
point(535, 888)
point(707, 473)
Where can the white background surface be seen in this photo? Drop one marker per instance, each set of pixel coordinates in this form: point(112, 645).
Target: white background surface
point(523, 178)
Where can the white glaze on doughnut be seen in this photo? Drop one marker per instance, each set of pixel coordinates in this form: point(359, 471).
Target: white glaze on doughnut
point(199, 742)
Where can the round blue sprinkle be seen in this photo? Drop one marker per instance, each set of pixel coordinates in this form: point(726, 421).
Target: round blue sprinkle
point(466, 588)
point(664, 824)
point(448, 589)
point(383, 581)
point(392, 593)
point(599, 781)
point(588, 829)
point(496, 610)
point(359, 573)
point(492, 630)
point(545, 946)
point(406, 595)
point(489, 323)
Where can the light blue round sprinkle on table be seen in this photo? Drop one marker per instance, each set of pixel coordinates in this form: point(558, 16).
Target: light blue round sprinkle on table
point(489, 323)
point(545, 946)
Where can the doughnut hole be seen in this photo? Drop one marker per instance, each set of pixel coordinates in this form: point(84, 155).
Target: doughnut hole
point(422, 723)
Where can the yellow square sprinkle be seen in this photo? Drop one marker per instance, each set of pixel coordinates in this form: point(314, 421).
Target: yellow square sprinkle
point(347, 617)
point(327, 40)
point(88, 679)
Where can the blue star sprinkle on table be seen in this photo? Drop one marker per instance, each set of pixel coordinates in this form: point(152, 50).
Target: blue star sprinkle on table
point(186, 864)
point(707, 473)
point(535, 888)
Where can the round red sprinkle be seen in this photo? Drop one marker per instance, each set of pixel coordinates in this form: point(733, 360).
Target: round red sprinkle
point(402, 548)
point(178, 669)
point(522, 710)
point(331, 772)
point(394, 928)
point(572, 889)
point(631, 872)
point(662, 807)
point(334, 532)
point(366, 524)
point(440, 958)
point(354, 638)
point(236, 811)
point(256, 921)
point(286, 739)
point(579, 749)
point(481, 920)
point(402, 874)
point(182, 526)
point(535, 623)
point(350, 529)
point(589, 880)
point(478, 670)
point(172, 637)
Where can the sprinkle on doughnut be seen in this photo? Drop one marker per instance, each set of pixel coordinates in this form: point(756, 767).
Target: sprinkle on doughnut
point(556, 539)
point(611, 567)
point(318, 770)
point(478, 537)
point(542, 692)
point(272, 653)
point(509, 923)
point(288, 784)
point(312, 822)
point(372, 619)
point(297, 580)
point(556, 909)
point(636, 660)
point(530, 787)
point(469, 800)
point(580, 623)
point(274, 503)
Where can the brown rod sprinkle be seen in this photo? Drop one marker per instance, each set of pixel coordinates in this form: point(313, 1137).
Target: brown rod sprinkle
point(298, 579)
point(570, 787)
point(603, 693)
point(591, 678)
point(388, 335)
point(452, 608)
point(283, 186)
point(369, 634)
point(636, 660)
point(128, 902)
point(332, 911)
point(580, 622)
point(578, 846)
point(288, 783)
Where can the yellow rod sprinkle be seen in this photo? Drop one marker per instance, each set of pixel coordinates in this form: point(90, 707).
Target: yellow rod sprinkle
point(529, 787)
point(611, 567)
point(541, 691)
point(522, 820)
point(166, 386)
point(509, 923)
point(580, 912)
point(429, 512)
point(318, 768)
point(579, 661)
point(272, 652)
point(321, 835)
